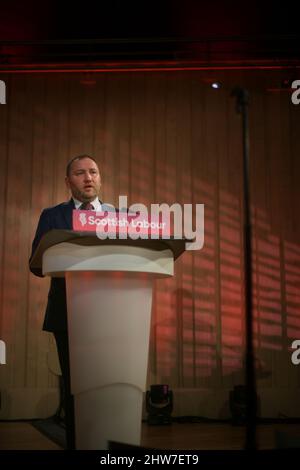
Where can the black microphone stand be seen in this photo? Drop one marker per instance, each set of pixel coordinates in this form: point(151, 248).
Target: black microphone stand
point(242, 102)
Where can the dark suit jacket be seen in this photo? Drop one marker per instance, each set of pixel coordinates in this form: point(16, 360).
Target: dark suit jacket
point(57, 217)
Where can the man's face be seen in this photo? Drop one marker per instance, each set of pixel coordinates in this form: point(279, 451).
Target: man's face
point(84, 180)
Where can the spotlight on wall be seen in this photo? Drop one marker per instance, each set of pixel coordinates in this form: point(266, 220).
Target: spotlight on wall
point(216, 85)
point(159, 404)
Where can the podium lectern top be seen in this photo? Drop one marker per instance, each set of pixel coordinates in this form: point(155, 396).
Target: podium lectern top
point(54, 237)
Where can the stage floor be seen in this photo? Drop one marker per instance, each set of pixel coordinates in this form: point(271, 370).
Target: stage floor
point(204, 436)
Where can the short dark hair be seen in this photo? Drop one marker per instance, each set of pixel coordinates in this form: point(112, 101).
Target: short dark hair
point(79, 157)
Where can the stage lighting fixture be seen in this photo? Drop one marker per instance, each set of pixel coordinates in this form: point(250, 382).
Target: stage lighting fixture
point(159, 404)
point(238, 404)
point(216, 85)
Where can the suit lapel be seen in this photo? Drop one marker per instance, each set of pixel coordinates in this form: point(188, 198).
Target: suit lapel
point(67, 211)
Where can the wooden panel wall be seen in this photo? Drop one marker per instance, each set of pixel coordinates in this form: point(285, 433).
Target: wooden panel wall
point(160, 137)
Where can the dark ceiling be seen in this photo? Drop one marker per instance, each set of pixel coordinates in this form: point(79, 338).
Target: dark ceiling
point(124, 30)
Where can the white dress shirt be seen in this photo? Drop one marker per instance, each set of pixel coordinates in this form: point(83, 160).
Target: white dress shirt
point(96, 204)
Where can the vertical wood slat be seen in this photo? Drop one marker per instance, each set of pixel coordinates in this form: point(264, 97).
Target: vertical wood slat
point(167, 191)
point(159, 178)
point(98, 148)
point(18, 191)
point(260, 199)
point(184, 279)
point(36, 357)
point(41, 197)
point(111, 153)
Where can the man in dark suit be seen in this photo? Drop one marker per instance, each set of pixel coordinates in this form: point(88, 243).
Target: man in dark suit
point(84, 181)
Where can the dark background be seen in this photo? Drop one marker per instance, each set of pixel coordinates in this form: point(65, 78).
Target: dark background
point(199, 30)
point(126, 18)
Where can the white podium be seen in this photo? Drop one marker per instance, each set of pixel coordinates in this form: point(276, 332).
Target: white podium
point(109, 298)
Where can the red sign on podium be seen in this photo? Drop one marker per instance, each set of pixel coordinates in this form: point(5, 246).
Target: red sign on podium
point(117, 223)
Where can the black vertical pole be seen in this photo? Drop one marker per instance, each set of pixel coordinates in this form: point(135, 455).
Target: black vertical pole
point(242, 102)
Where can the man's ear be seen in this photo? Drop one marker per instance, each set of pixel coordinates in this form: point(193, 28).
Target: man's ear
point(67, 182)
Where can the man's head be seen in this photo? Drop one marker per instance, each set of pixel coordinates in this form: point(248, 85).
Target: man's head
point(83, 178)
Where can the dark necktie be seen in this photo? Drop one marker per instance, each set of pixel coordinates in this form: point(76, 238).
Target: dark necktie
point(86, 206)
